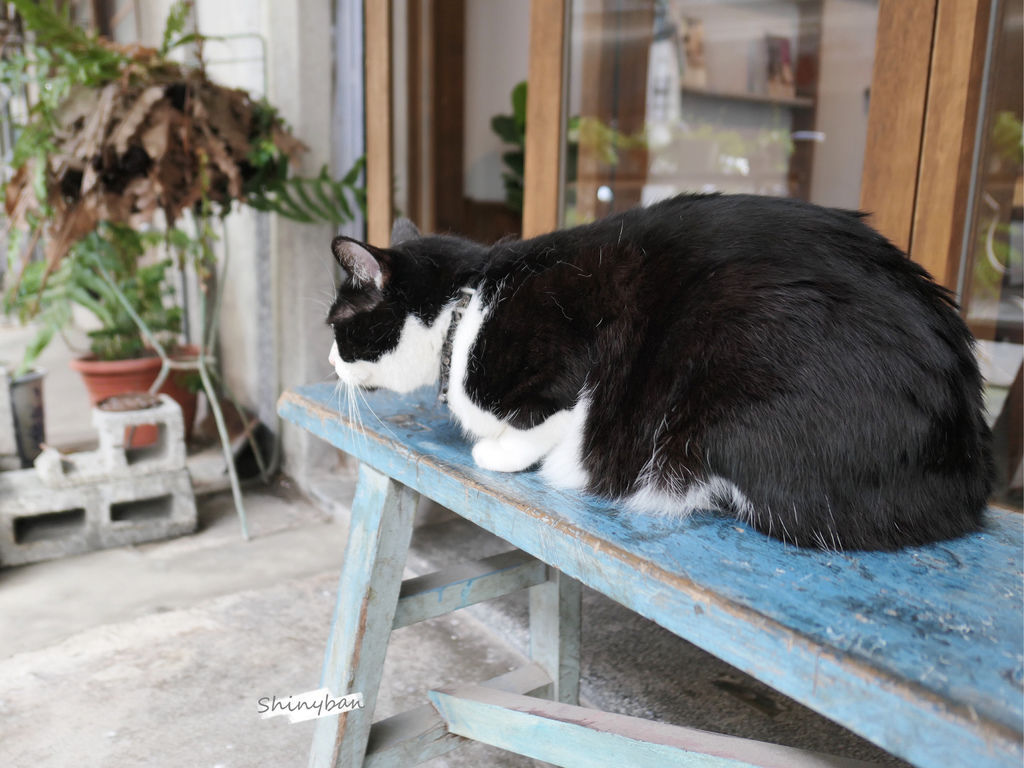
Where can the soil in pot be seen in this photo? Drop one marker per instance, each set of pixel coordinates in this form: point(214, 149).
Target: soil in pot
point(104, 378)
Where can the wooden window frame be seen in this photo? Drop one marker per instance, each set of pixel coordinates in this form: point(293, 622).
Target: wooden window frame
point(379, 124)
point(922, 123)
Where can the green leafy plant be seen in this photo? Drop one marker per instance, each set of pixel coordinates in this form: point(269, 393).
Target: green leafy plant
point(1008, 138)
point(111, 255)
point(604, 141)
point(511, 129)
point(117, 135)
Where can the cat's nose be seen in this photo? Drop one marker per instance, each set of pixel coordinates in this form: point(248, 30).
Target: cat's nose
point(333, 357)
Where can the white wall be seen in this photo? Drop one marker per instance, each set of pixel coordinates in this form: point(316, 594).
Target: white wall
point(497, 57)
point(301, 69)
point(247, 319)
point(281, 274)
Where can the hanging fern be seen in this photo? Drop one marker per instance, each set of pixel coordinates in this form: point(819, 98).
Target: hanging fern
point(119, 134)
point(317, 199)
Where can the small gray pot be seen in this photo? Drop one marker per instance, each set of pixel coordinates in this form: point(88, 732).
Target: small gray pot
point(27, 410)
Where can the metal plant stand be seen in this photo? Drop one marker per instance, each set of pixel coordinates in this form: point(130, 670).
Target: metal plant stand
point(209, 325)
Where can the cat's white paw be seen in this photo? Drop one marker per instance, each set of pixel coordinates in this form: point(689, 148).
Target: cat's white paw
point(499, 456)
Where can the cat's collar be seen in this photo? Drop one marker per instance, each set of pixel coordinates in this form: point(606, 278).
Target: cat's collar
point(449, 341)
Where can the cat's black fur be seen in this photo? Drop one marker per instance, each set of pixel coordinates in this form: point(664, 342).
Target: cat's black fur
point(785, 347)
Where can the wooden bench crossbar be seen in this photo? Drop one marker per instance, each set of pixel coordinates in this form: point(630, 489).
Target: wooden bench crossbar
point(921, 651)
point(421, 734)
point(568, 735)
point(436, 594)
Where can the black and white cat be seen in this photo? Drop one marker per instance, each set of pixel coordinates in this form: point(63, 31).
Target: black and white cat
point(771, 358)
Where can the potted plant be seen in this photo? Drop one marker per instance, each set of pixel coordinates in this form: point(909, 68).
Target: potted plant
point(599, 139)
point(121, 146)
point(119, 358)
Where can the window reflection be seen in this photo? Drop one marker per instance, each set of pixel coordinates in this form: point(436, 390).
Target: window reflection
point(761, 96)
point(992, 280)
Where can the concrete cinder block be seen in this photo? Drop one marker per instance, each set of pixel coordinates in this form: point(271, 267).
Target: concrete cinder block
point(116, 495)
point(38, 522)
point(114, 459)
point(148, 508)
point(168, 453)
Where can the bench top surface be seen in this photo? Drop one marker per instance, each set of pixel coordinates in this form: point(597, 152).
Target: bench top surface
point(892, 645)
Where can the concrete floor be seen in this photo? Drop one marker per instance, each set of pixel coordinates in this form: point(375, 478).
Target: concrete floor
point(155, 655)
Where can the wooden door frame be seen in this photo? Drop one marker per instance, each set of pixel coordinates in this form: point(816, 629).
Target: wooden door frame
point(546, 98)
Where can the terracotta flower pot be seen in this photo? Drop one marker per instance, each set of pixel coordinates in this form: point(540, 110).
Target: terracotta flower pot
point(104, 378)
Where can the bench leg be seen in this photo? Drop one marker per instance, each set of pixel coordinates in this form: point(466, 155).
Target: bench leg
point(555, 633)
point(371, 575)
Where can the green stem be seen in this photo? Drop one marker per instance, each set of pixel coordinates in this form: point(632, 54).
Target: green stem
point(130, 310)
point(225, 442)
point(214, 321)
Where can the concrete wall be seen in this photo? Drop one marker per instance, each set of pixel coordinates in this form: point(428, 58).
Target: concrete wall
point(300, 55)
point(247, 317)
point(281, 276)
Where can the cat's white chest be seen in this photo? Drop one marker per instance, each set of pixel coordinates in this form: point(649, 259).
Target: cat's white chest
point(498, 445)
point(474, 420)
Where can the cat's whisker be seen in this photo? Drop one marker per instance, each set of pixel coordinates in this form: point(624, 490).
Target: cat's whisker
point(353, 409)
point(359, 402)
point(378, 418)
point(329, 271)
point(355, 395)
point(358, 398)
point(338, 386)
point(785, 530)
point(324, 303)
point(822, 544)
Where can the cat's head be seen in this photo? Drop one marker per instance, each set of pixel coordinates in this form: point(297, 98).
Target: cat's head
point(384, 314)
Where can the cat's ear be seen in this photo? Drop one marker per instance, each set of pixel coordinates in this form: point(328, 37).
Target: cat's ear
point(403, 230)
point(352, 304)
point(362, 267)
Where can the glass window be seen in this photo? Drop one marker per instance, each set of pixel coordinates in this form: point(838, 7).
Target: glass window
point(760, 96)
point(992, 273)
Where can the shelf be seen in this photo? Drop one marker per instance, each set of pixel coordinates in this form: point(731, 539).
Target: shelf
point(797, 102)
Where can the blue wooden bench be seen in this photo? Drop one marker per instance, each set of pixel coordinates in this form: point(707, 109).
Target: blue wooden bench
point(921, 652)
